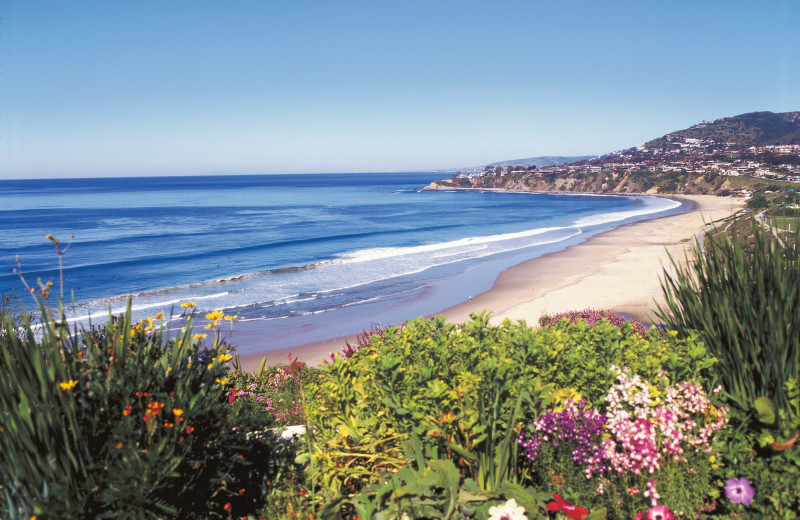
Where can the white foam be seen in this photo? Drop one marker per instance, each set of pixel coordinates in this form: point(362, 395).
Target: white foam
point(605, 218)
point(366, 255)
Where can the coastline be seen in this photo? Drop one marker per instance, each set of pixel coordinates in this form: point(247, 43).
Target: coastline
point(617, 270)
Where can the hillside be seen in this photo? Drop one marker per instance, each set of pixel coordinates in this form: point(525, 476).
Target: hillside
point(738, 155)
point(753, 129)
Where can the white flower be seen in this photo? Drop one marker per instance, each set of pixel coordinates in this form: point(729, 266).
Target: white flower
point(508, 511)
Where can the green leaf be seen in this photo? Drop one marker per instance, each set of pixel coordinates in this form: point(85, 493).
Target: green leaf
point(767, 411)
point(523, 497)
point(597, 514)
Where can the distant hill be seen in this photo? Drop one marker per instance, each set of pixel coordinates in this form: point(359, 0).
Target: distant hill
point(753, 129)
point(744, 154)
point(546, 160)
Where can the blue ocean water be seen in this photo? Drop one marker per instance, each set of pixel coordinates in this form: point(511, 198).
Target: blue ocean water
point(276, 246)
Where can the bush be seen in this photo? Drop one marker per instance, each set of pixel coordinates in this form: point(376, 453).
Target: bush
point(93, 428)
point(646, 436)
point(592, 317)
point(456, 387)
point(277, 391)
point(743, 306)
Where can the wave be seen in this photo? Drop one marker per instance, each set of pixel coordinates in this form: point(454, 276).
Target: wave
point(607, 218)
point(366, 255)
point(359, 276)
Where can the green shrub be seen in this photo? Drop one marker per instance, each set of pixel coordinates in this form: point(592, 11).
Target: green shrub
point(455, 387)
point(743, 306)
point(93, 428)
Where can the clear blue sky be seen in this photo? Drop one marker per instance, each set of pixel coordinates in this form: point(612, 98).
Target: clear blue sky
point(108, 88)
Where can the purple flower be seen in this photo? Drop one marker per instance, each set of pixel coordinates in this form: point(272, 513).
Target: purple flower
point(739, 490)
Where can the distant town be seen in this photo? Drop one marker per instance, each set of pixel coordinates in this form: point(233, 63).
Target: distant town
point(680, 162)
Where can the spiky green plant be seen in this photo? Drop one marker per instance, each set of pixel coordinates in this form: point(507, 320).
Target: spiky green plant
point(744, 302)
point(95, 428)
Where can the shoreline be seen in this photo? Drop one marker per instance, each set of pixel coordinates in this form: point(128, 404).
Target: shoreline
point(616, 270)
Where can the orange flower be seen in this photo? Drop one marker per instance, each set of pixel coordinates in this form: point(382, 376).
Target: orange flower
point(227, 507)
point(119, 445)
point(127, 411)
point(189, 429)
point(177, 411)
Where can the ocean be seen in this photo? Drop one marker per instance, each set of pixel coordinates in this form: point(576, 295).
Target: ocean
point(305, 257)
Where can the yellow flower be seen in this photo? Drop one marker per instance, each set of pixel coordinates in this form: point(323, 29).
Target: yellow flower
point(231, 318)
point(216, 315)
point(200, 336)
point(225, 357)
point(187, 305)
point(68, 385)
point(223, 382)
point(210, 325)
point(177, 411)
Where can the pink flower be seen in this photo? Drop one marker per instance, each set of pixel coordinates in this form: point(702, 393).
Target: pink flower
point(655, 513)
point(739, 490)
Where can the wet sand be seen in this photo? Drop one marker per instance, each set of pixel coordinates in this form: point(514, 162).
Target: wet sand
point(617, 270)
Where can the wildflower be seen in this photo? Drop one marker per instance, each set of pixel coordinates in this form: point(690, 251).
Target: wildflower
point(188, 305)
point(119, 445)
point(655, 513)
point(68, 385)
point(189, 430)
point(739, 490)
point(214, 316)
point(565, 506)
point(508, 511)
point(230, 318)
point(159, 315)
point(177, 412)
point(223, 382)
point(225, 357)
point(127, 411)
point(200, 336)
point(652, 493)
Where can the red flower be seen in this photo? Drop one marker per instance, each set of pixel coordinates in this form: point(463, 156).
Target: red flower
point(565, 506)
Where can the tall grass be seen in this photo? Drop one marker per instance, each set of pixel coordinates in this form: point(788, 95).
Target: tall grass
point(744, 302)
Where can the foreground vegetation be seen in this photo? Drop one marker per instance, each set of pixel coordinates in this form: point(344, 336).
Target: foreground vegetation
point(586, 416)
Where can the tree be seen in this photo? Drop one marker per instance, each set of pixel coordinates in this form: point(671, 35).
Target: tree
point(758, 202)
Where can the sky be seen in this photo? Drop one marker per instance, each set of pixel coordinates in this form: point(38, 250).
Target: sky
point(147, 88)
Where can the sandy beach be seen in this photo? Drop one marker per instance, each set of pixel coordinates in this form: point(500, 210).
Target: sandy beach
point(617, 270)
